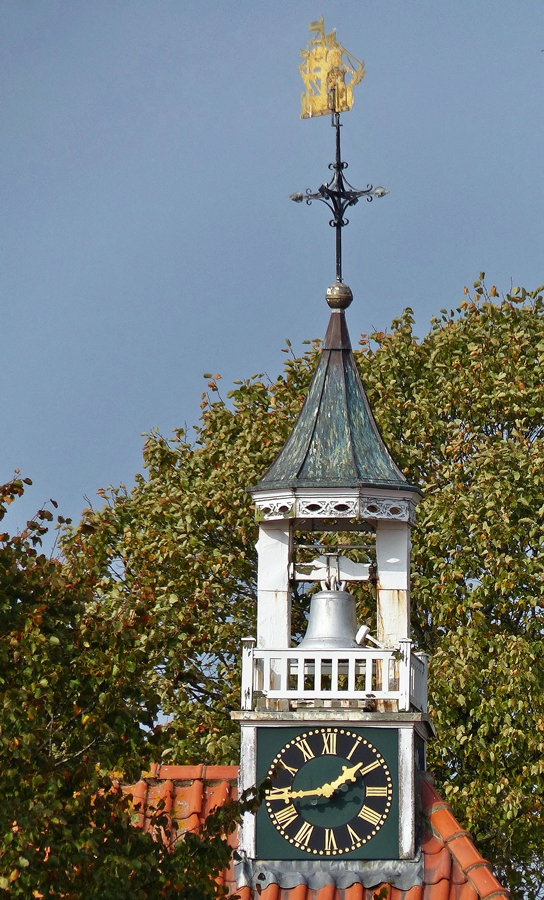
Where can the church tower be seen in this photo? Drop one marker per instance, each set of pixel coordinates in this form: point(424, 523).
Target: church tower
point(338, 722)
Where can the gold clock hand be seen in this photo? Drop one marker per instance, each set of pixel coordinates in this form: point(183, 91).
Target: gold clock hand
point(325, 790)
point(348, 774)
point(288, 794)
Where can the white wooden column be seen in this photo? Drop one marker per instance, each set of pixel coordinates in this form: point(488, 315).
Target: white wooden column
point(273, 594)
point(393, 562)
point(247, 778)
point(407, 804)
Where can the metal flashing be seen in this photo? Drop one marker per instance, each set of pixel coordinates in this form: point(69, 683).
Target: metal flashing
point(402, 874)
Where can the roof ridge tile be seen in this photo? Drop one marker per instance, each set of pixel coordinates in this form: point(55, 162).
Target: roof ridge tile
point(477, 865)
point(180, 773)
point(220, 773)
point(464, 851)
point(481, 876)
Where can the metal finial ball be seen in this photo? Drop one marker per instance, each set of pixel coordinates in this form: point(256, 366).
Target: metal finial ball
point(339, 296)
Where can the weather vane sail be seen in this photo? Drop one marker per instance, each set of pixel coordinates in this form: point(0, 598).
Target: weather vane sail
point(329, 74)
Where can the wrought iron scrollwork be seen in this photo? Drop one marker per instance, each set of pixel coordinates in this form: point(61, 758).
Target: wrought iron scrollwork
point(338, 194)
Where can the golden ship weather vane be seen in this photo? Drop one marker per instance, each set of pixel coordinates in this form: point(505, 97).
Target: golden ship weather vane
point(324, 70)
point(329, 74)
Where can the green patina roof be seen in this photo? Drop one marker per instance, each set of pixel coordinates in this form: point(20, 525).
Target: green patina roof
point(335, 441)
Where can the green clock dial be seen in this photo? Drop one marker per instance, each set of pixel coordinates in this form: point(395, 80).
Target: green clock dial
point(331, 791)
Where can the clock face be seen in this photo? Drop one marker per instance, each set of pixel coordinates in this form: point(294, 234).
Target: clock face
point(332, 791)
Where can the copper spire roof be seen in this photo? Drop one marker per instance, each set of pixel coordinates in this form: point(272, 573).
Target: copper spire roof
point(453, 869)
point(335, 441)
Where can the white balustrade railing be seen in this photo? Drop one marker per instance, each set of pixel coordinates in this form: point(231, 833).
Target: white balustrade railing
point(355, 674)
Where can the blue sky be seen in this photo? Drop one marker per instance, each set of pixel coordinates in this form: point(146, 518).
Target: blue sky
point(148, 151)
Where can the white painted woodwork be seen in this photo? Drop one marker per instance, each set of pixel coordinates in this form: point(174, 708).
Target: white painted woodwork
point(393, 617)
point(247, 778)
point(407, 817)
point(393, 554)
point(273, 593)
point(393, 593)
point(248, 645)
point(392, 675)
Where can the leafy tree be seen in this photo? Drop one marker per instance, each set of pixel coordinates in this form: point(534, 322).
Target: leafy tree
point(462, 410)
point(74, 714)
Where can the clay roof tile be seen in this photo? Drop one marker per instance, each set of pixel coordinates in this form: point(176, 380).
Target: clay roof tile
point(188, 800)
point(463, 891)
point(438, 866)
point(396, 894)
point(431, 844)
point(457, 874)
point(440, 891)
point(415, 893)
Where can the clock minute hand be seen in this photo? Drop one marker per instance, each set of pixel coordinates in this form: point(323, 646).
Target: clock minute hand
point(348, 774)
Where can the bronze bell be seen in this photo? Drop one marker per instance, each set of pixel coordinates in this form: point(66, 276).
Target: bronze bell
point(332, 623)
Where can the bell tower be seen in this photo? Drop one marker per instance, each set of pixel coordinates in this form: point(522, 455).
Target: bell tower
point(337, 721)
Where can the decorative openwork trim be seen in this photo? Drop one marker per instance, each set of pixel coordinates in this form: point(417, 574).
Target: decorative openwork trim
point(325, 507)
point(378, 508)
point(283, 508)
point(334, 507)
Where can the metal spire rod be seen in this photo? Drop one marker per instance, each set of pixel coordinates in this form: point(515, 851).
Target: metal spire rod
point(338, 194)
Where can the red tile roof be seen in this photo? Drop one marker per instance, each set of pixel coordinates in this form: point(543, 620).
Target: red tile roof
point(453, 868)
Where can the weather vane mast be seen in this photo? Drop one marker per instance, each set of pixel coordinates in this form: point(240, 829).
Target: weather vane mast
point(329, 74)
